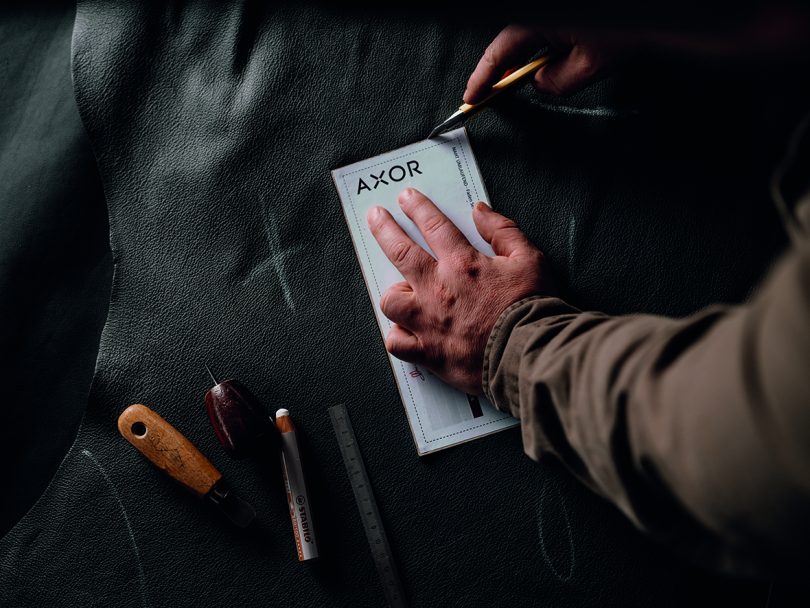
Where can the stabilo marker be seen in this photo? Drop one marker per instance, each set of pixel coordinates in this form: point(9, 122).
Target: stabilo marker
point(297, 497)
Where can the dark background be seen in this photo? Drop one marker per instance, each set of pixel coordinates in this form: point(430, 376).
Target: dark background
point(209, 123)
point(55, 262)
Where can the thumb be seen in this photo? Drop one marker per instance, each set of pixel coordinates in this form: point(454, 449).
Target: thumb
point(499, 231)
point(512, 46)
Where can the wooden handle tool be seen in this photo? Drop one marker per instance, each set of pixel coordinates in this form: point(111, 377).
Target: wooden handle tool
point(239, 420)
point(171, 452)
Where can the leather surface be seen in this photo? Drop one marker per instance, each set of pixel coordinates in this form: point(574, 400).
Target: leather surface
point(215, 127)
point(55, 262)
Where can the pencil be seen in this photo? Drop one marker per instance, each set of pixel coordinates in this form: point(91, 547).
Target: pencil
point(297, 495)
point(466, 110)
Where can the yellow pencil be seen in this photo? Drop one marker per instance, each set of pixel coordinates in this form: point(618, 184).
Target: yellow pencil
point(466, 110)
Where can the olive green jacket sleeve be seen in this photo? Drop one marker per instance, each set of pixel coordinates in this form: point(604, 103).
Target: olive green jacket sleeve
point(697, 428)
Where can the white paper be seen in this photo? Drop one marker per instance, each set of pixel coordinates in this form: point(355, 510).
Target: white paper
point(445, 170)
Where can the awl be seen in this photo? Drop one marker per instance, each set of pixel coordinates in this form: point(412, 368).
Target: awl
point(170, 451)
point(239, 420)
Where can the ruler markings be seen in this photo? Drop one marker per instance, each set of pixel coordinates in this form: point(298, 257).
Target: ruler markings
point(367, 506)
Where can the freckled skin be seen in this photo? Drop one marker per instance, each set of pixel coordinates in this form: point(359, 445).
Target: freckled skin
point(446, 308)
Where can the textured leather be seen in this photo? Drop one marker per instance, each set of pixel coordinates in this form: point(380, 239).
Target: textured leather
point(55, 262)
point(215, 127)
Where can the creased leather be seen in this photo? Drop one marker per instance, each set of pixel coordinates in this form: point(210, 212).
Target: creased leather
point(55, 263)
point(215, 127)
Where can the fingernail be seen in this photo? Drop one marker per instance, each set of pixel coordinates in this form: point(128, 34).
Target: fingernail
point(481, 207)
point(373, 214)
point(406, 195)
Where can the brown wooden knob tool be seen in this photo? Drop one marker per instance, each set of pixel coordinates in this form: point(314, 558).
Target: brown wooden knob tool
point(170, 451)
point(240, 422)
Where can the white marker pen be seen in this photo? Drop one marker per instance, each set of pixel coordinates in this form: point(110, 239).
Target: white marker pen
point(297, 497)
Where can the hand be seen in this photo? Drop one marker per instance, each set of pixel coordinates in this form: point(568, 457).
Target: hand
point(580, 57)
point(446, 308)
point(776, 31)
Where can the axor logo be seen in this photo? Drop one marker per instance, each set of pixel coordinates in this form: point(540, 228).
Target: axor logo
point(393, 174)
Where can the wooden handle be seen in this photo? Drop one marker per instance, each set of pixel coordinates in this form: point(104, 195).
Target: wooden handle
point(167, 448)
point(505, 83)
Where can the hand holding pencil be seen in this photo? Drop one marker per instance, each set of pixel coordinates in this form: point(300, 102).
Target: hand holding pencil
point(579, 58)
point(574, 59)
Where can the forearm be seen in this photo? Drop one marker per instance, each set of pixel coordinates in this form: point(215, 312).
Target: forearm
point(695, 428)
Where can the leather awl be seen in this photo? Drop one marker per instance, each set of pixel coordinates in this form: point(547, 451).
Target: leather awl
point(170, 451)
point(239, 420)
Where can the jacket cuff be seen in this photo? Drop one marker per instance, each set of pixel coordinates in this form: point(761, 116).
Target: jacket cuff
point(503, 351)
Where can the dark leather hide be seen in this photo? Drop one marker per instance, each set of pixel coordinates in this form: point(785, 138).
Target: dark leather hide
point(55, 262)
point(215, 126)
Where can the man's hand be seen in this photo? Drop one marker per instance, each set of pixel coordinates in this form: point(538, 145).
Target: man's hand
point(446, 308)
point(580, 57)
point(776, 30)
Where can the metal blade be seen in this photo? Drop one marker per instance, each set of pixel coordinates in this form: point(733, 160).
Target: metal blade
point(233, 507)
point(455, 120)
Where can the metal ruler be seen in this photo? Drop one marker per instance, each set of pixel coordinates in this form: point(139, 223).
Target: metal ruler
point(367, 505)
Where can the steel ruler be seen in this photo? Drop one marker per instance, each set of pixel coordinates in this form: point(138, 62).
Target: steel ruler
point(367, 505)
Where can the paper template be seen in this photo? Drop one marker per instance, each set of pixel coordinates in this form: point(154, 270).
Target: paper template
point(445, 170)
